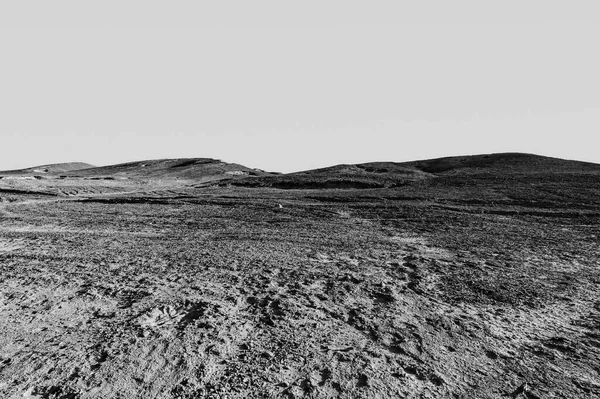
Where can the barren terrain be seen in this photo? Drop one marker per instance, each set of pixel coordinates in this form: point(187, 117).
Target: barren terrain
point(465, 277)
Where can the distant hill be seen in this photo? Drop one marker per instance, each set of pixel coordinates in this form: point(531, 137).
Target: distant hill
point(505, 162)
point(393, 174)
point(201, 169)
point(358, 176)
point(369, 175)
point(195, 170)
point(52, 168)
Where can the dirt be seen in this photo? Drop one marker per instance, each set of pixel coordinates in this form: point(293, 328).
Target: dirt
point(444, 287)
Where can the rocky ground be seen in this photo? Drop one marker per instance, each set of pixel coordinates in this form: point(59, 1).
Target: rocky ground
point(449, 283)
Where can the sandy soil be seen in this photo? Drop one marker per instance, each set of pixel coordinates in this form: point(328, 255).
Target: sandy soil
point(427, 291)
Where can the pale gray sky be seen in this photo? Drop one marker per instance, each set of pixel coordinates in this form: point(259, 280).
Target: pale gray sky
point(286, 86)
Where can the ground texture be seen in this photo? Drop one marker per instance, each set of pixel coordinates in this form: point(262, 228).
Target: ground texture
point(480, 282)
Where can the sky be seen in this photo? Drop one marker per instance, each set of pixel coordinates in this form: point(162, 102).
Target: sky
point(295, 85)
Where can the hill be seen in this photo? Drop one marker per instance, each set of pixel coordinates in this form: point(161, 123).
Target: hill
point(201, 169)
point(373, 175)
point(501, 162)
point(52, 168)
point(74, 179)
point(393, 174)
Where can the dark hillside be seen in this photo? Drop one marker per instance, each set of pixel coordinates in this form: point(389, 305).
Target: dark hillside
point(503, 162)
point(497, 167)
point(363, 176)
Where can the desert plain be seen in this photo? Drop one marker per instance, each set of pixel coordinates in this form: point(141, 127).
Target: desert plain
point(462, 277)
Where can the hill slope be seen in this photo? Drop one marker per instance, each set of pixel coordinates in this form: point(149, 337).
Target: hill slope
point(185, 168)
point(78, 179)
point(501, 162)
point(392, 174)
point(52, 168)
